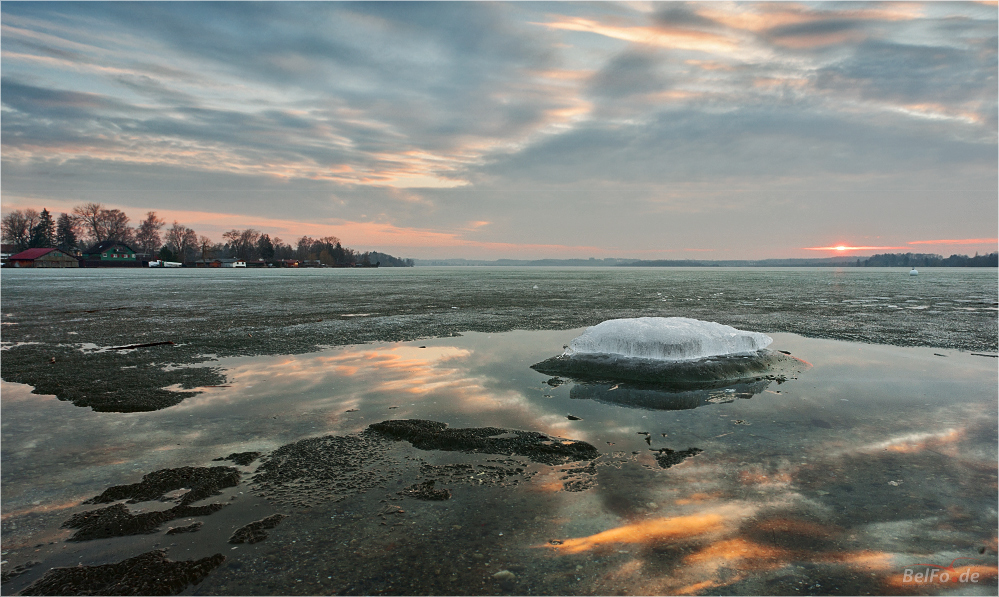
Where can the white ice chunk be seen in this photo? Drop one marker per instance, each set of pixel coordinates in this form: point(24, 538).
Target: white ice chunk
point(666, 338)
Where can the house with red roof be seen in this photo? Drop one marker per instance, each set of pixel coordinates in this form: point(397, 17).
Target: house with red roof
point(42, 257)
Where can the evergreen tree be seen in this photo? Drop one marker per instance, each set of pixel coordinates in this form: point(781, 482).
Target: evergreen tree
point(265, 247)
point(66, 233)
point(43, 234)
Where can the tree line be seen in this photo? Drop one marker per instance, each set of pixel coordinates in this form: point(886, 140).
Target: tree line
point(929, 260)
point(92, 223)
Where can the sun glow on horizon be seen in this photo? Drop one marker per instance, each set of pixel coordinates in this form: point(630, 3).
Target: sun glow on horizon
point(844, 248)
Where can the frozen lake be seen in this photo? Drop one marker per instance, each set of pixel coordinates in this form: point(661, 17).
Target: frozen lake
point(878, 459)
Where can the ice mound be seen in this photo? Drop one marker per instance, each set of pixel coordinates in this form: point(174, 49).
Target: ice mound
point(672, 353)
point(666, 338)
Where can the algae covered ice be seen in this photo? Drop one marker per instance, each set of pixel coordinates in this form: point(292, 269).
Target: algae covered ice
point(672, 351)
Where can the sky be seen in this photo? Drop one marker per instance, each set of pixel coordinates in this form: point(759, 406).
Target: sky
point(703, 130)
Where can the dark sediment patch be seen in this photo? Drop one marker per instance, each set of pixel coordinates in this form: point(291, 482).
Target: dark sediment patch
point(151, 573)
point(256, 531)
point(667, 458)
point(240, 458)
point(321, 469)
point(505, 472)
point(203, 482)
point(118, 521)
point(331, 468)
point(104, 381)
point(425, 491)
point(191, 528)
point(538, 447)
point(710, 372)
point(16, 571)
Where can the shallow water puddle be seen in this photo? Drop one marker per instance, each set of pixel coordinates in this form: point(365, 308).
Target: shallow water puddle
point(874, 460)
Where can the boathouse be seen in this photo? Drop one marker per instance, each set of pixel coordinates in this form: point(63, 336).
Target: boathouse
point(50, 257)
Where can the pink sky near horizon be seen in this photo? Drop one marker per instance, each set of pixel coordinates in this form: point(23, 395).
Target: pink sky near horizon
point(424, 243)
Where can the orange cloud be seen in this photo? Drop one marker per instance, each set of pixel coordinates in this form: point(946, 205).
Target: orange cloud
point(758, 18)
point(662, 37)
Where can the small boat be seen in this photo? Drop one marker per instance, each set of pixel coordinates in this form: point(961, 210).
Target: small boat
point(913, 272)
point(160, 263)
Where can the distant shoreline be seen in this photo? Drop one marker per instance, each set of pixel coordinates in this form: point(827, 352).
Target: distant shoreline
point(885, 260)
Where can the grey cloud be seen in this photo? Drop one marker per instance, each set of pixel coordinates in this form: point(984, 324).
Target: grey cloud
point(50, 117)
point(629, 73)
point(675, 14)
point(816, 28)
point(56, 102)
point(12, 42)
point(749, 144)
point(428, 74)
point(910, 73)
point(153, 88)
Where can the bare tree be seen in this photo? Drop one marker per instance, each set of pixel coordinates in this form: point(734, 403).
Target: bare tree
point(89, 215)
point(103, 224)
point(206, 246)
point(147, 235)
point(243, 243)
point(17, 226)
point(173, 238)
point(189, 244)
point(114, 225)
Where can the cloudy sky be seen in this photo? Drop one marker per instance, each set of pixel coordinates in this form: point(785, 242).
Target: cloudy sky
point(486, 130)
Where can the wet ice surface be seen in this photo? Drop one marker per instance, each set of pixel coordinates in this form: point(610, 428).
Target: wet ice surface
point(875, 459)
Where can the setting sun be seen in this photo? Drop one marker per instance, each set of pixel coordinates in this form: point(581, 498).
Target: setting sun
point(842, 248)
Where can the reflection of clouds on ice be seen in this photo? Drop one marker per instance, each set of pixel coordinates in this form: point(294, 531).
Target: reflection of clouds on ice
point(901, 464)
point(713, 542)
point(748, 523)
point(338, 380)
point(663, 529)
point(915, 442)
point(42, 508)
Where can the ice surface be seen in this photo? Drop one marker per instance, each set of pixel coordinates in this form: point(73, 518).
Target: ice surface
point(666, 338)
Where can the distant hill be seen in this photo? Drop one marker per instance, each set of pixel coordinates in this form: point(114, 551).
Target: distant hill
point(838, 261)
point(591, 262)
point(884, 260)
point(386, 260)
